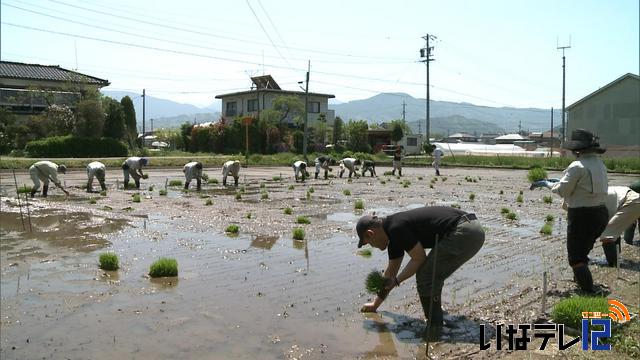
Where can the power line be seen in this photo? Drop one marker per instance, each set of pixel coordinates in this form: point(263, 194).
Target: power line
point(274, 26)
point(267, 34)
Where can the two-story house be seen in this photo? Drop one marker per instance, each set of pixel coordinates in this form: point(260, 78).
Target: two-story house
point(261, 96)
point(28, 89)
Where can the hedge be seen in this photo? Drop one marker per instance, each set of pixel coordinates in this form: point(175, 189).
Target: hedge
point(73, 146)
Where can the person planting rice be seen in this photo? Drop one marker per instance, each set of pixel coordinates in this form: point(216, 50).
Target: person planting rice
point(437, 156)
point(349, 164)
point(324, 162)
point(623, 206)
point(193, 170)
point(583, 188)
point(231, 167)
point(397, 162)
point(300, 169)
point(370, 166)
point(133, 166)
point(453, 235)
point(98, 170)
point(46, 171)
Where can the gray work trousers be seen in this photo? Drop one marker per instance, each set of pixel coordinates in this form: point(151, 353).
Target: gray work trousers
point(454, 249)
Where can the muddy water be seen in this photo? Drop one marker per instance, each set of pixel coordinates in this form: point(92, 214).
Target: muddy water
point(261, 294)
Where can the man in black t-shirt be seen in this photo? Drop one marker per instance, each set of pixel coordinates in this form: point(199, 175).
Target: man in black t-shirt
point(454, 235)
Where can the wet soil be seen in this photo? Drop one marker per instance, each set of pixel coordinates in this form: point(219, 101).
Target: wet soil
point(262, 294)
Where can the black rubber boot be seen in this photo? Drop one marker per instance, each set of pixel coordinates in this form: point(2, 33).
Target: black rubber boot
point(610, 252)
point(436, 320)
point(583, 277)
point(126, 184)
point(393, 172)
point(186, 185)
point(437, 172)
point(235, 181)
point(224, 181)
point(103, 186)
point(199, 184)
point(33, 191)
point(89, 187)
point(399, 172)
point(316, 176)
point(137, 183)
point(45, 190)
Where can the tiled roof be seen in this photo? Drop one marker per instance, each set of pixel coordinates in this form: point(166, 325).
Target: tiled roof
point(15, 70)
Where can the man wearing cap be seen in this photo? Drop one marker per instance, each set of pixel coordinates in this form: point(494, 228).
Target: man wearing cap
point(133, 166)
point(300, 169)
point(349, 164)
point(46, 171)
point(323, 162)
point(193, 170)
point(231, 167)
point(453, 235)
point(583, 188)
point(369, 165)
point(98, 170)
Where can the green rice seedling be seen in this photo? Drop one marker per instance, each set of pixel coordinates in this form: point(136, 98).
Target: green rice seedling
point(136, 198)
point(264, 195)
point(536, 173)
point(209, 202)
point(277, 178)
point(288, 211)
point(359, 204)
point(204, 196)
point(547, 199)
point(205, 177)
point(298, 234)
point(365, 253)
point(388, 173)
point(308, 195)
point(291, 187)
point(163, 192)
point(546, 229)
point(107, 208)
point(431, 186)
point(248, 216)
point(505, 211)
point(130, 186)
point(501, 192)
point(375, 282)
point(263, 185)
point(93, 201)
point(479, 178)
point(455, 205)
point(383, 182)
point(420, 178)
point(472, 196)
point(444, 178)
point(569, 311)
point(512, 216)
point(164, 267)
point(109, 261)
point(346, 192)
point(151, 188)
point(128, 208)
point(303, 220)
point(103, 193)
point(24, 189)
point(243, 189)
point(311, 189)
point(238, 196)
point(349, 181)
point(521, 192)
point(213, 181)
point(232, 229)
point(549, 218)
point(175, 182)
point(520, 198)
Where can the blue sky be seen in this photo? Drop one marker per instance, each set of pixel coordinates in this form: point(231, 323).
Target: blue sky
point(492, 52)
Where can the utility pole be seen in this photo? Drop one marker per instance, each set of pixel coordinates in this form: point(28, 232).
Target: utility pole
point(306, 114)
point(563, 129)
point(144, 99)
point(551, 137)
point(151, 125)
point(404, 105)
point(425, 53)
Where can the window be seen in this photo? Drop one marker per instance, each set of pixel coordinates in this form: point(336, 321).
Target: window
point(411, 141)
point(232, 109)
point(252, 105)
point(314, 107)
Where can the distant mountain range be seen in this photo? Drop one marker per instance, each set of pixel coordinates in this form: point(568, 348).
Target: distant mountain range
point(446, 117)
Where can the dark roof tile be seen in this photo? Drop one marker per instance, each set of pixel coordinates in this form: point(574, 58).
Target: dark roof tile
point(15, 70)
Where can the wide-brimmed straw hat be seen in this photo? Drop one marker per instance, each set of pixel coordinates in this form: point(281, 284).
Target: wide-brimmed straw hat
point(582, 139)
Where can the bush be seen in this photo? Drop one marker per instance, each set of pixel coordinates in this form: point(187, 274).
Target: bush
point(298, 234)
point(303, 220)
point(569, 311)
point(359, 204)
point(536, 174)
point(288, 211)
point(164, 267)
point(232, 229)
point(375, 282)
point(74, 146)
point(175, 182)
point(109, 261)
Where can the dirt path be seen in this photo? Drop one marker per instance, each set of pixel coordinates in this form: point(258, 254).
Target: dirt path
point(262, 294)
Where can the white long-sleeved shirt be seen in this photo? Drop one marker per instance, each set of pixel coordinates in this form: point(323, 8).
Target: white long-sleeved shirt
point(94, 167)
point(231, 167)
point(46, 170)
point(615, 198)
point(133, 163)
point(349, 163)
point(584, 183)
point(191, 171)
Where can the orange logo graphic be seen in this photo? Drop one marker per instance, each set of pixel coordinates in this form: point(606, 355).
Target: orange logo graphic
point(618, 312)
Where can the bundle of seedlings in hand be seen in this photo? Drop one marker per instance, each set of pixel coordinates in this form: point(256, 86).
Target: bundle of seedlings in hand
point(536, 174)
point(375, 282)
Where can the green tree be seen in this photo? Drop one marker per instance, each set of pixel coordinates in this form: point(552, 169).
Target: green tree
point(8, 131)
point(338, 125)
point(58, 120)
point(288, 106)
point(130, 121)
point(185, 133)
point(397, 132)
point(89, 118)
point(357, 135)
point(114, 126)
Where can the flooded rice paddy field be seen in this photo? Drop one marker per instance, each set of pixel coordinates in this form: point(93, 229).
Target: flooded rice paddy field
point(262, 294)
